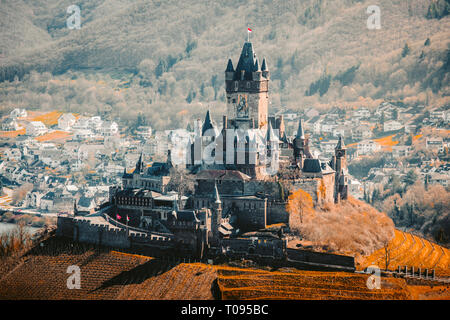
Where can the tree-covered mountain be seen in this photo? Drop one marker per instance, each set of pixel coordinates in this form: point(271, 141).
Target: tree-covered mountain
point(167, 58)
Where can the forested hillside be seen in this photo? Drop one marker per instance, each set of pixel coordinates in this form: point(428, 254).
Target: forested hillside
point(167, 58)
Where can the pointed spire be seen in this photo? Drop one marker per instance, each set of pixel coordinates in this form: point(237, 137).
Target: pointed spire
point(216, 194)
point(229, 66)
point(300, 132)
point(256, 65)
point(270, 134)
point(207, 124)
point(246, 61)
point(264, 65)
point(139, 165)
point(340, 144)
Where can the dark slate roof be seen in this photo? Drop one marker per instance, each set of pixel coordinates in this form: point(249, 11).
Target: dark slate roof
point(312, 165)
point(186, 215)
point(264, 65)
point(246, 61)
point(207, 124)
point(229, 66)
point(159, 169)
point(85, 202)
point(300, 131)
point(49, 196)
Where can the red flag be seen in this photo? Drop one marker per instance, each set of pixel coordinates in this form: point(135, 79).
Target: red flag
point(118, 217)
point(128, 219)
point(249, 30)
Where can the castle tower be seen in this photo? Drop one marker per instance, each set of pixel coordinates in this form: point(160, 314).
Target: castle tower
point(340, 166)
point(247, 89)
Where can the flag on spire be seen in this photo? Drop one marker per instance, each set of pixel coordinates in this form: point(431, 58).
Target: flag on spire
point(128, 219)
point(249, 30)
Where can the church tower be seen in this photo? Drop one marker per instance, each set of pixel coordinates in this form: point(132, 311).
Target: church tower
point(247, 89)
point(216, 215)
point(340, 166)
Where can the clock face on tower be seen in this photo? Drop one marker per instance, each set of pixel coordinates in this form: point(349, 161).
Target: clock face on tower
point(242, 106)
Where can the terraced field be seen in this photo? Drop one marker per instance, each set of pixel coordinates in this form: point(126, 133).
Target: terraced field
point(406, 249)
point(42, 274)
point(250, 284)
point(104, 275)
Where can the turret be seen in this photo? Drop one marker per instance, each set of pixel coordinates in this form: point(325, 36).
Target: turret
point(265, 70)
point(229, 71)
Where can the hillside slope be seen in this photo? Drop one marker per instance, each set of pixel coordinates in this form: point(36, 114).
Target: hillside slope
point(166, 51)
point(106, 274)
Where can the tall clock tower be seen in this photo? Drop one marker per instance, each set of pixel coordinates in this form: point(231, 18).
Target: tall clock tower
point(247, 89)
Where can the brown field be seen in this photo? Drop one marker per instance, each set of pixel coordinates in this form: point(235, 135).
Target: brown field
point(105, 274)
point(49, 119)
point(42, 274)
point(406, 249)
point(245, 284)
point(12, 134)
point(55, 135)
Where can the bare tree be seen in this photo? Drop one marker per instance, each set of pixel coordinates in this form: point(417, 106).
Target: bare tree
point(182, 182)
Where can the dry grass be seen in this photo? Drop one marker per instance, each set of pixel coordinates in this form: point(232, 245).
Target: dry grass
point(351, 227)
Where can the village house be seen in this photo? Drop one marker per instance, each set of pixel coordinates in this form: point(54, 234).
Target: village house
point(109, 128)
point(400, 151)
point(435, 144)
point(10, 124)
point(362, 113)
point(367, 147)
point(66, 121)
point(18, 113)
point(361, 132)
point(35, 128)
point(392, 125)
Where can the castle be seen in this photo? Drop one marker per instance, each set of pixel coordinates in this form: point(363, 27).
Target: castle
point(238, 188)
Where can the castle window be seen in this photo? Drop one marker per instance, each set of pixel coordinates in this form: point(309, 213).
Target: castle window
point(234, 100)
point(248, 84)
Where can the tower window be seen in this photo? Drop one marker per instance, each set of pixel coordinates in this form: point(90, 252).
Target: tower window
point(234, 100)
point(248, 84)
